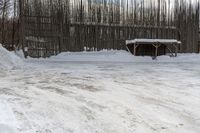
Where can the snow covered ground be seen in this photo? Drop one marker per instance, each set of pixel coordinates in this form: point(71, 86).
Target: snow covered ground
point(104, 92)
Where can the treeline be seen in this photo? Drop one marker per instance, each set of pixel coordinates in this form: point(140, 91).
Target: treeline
point(138, 12)
point(9, 23)
point(60, 14)
point(187, 21)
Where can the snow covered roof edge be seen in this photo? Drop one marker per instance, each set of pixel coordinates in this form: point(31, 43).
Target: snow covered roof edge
point(152, 41)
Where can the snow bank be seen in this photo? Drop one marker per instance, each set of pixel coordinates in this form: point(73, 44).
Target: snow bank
point(121, 56)
point(105, 56)
point(9, 60)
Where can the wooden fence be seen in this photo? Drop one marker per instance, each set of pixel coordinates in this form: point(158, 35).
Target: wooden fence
point(45, 36)
point(49, 27)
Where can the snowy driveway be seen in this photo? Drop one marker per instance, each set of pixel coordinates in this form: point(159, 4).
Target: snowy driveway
point(99, 97)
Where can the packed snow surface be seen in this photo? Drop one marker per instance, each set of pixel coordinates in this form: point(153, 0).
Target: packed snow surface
point(102, 92)
point(9, 60)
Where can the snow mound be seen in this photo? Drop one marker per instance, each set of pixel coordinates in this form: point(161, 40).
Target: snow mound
point(9, 60)
point(100, 56)
point(122, 56)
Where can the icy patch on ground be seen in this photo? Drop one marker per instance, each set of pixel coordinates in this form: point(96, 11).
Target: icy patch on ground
point(121, 56)
point(9, 60)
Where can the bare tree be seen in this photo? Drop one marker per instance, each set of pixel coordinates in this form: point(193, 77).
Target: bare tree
point(97, 24)
point(5, 14)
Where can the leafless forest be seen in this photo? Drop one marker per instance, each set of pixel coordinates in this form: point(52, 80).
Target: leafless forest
point(48, 27)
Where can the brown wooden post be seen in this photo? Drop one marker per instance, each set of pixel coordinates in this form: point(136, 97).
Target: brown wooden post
point(156, 54)
point(61, 46)
point(135, 48)
point(176, 49)
point(199, 45)
point(22, 27)
point(157, 45)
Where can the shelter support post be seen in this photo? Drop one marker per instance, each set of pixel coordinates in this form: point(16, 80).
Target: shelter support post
point(199, 47)
point(176, 49)
point(171, 52)
point(156, 51)
point(135, 49)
